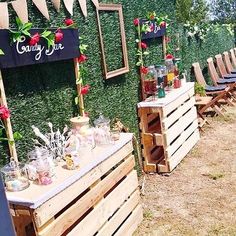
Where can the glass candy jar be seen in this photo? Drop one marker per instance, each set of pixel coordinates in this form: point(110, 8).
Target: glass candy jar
point(102, 130)
point(82, 134)
point(150, 81)
point(72, 158)
point(37, 156)
point(15, 176)
point(170, 71)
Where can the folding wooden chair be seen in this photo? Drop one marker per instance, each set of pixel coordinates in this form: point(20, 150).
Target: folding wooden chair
point(228, 64)
point(218, 92)
point(221, 68)
point(215, 77)
point(233, 57)
point(231, 83)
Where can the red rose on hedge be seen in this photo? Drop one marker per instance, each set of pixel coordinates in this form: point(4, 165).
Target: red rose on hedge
point(82, 58)
point(143, 45)
point(167, 39)
point(85, 89)
point(163, 24)
point(152, 17)
point(4, 112)
point(34, 39)
point(69, 22)
point(144, 70)
point(136, 22)
point(169, 56)
point(58, 36)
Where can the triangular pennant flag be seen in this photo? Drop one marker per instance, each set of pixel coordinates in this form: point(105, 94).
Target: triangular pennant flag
point(42, 6)
point(21, 9)
point(57, 4)
point(69, 5)
point(4, 16)
point(95, 2)
point(83, 7)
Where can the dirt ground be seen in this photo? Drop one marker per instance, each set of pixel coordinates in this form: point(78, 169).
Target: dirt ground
point(199, 197)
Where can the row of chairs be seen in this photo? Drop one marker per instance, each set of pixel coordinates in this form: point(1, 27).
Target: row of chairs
point(222, 73)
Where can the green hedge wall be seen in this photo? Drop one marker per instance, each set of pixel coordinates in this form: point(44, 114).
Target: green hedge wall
point(41, 93)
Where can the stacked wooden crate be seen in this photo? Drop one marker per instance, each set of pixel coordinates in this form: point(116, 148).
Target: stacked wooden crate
point(168, 128)
point(104, 201)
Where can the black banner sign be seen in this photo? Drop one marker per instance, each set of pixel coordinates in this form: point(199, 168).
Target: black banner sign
point(156, 32)
point(21, 53)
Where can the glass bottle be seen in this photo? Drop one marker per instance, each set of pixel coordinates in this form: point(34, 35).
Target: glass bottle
point(161, 91)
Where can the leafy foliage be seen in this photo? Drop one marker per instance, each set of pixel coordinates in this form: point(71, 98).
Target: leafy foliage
point(183, 8)
point(193, 11)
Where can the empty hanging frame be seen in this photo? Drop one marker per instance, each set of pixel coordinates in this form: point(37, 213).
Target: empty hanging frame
point(116, 8)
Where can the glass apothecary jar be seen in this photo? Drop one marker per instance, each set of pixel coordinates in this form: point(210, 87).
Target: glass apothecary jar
point(150, 81)
point(102, 133)
point(15, 176)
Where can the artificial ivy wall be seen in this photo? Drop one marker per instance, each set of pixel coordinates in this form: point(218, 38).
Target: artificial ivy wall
point(41, 93)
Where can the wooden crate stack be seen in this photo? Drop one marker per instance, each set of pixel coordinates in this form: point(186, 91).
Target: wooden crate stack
point(168, 129)
point(105, 201)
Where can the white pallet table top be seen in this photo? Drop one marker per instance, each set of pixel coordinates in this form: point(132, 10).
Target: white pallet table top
point(36, 195)
point(170, 97)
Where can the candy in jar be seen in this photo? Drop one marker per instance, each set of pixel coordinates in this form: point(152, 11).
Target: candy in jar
point(15, 176)
point(102, 130)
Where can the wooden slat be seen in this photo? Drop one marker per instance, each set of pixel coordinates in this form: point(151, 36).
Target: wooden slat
point(184, 149)
point(180, 125)
point(106, 208)
point(116, 220)
point(180, 100)
point(131, 224)
point(147, 139)
point(47, 210)
point(149, 167)
point(184, 135)
point(168, 121)
point(72, 214)
point(158, 139)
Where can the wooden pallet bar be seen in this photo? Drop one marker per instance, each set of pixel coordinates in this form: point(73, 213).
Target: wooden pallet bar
point(102, 200)
point(168, 129)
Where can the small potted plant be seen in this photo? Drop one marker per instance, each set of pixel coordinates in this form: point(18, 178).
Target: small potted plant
point(199, 90)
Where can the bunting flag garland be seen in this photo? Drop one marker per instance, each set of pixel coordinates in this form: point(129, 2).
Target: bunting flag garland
point(56, 4)
point(69, 5)
point(95, 2)
point(20, 7)
point(4, 16)
point(42, 6)
point(83, 7)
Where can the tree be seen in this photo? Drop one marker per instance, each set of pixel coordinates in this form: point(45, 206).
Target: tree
point(224, 10)
point(183, 8)
point(193, 11)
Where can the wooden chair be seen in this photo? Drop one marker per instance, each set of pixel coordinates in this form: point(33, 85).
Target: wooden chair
point(221, 68)
point(215, 77)
point(233, 57)
point(228, 64)
point(231, 83)
point(218, 92)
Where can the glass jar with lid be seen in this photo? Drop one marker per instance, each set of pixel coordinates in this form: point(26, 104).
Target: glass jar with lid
point(150, 81)
point(102, 130)
point(15, 176)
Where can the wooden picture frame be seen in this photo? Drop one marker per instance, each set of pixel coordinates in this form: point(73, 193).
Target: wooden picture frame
point(125, 69)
